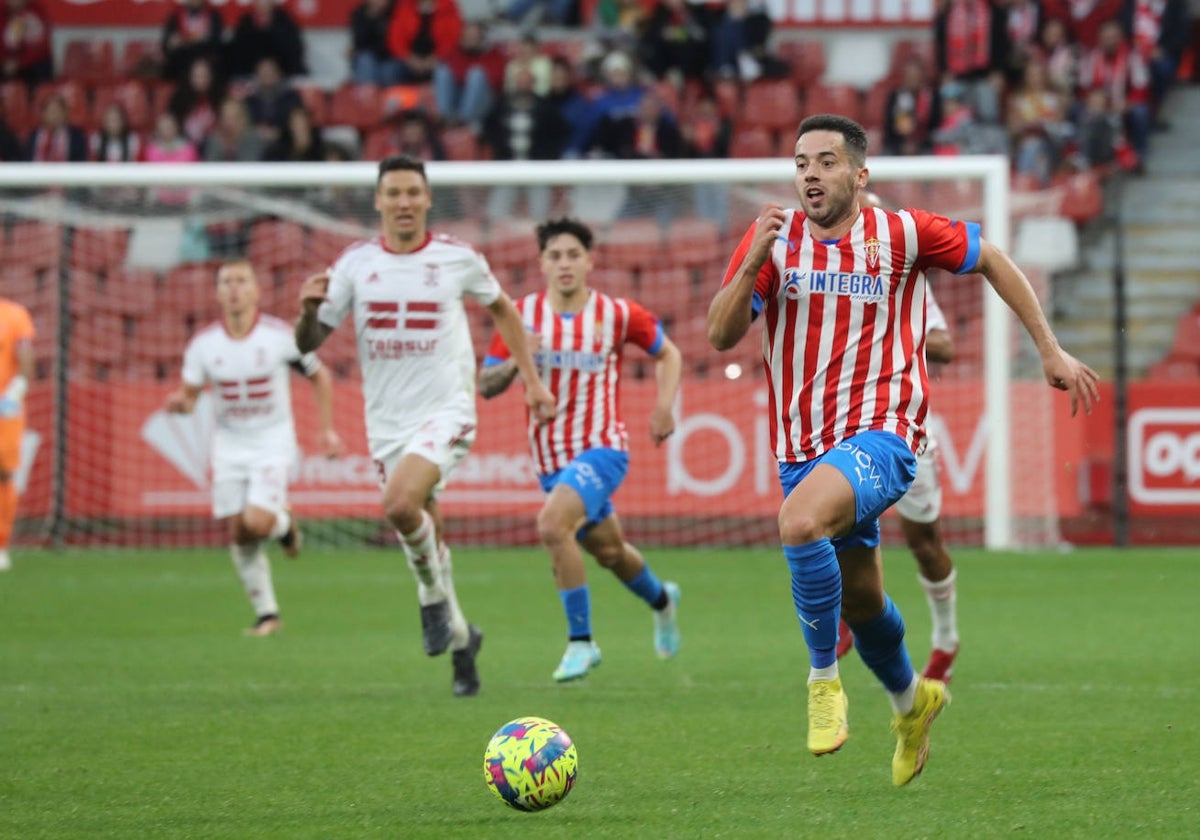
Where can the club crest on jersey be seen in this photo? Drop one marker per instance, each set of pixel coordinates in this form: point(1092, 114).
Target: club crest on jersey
point(374, 277)
point(431, 274)
point(872, 246)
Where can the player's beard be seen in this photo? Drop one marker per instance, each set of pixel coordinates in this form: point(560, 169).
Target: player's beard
point(837, 207)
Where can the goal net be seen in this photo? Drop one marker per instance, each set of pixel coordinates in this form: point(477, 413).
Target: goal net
point(117, 264)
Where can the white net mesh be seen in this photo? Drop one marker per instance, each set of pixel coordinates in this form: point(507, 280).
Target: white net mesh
point(117, 278)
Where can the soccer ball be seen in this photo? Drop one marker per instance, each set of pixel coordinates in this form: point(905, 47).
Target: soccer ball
point(530, 764)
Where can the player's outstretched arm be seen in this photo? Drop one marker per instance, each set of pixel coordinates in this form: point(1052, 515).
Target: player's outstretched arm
point(495, 379)
point(183, 399)
point(1062, 370)
point(730, 313)
point(328, 440)
point(310, 332)
point(939, 346)
point(668, 367)
point(508, 324)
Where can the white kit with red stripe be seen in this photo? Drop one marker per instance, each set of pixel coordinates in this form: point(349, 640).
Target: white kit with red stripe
point(844, 325)
point(580, 362)
point(251, 385)
point(414, 340)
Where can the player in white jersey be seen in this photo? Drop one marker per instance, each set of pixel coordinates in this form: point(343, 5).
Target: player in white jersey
point(583, 456)
point(246, 358)
point(842, 291)
point(405, 292)
point(920, 511)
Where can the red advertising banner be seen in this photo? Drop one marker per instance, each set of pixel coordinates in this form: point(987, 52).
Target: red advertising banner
point(308, 13)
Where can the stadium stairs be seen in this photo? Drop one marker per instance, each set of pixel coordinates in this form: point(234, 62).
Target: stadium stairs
point(1161, 213)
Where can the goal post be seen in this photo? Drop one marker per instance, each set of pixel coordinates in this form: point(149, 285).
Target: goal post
point(226, 200)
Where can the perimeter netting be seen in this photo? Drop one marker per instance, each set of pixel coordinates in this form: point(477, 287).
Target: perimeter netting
point(118, 277)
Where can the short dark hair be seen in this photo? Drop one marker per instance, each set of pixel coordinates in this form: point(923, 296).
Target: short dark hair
point(401, 163)
point(854, 135)
point(557, 227)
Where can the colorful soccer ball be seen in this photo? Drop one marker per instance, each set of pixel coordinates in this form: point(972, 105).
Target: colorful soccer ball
point(530, 764)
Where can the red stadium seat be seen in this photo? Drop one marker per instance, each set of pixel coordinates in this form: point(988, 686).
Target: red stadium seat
point(1186, 344)
point(612, 282)
point(833, 99)
point(99, 338)
point(693, 241)
point(357, 105)
point(770, 104)
point(728, 95)
point(130, 95)
point(73, 92)
point(666, 292)
point(1175, 368)
point(99, 249)
point(275, 243)
point(874, 106)
point(460, 143)
point(1083, 197)
point(325, 246)
point(15, 107)
point(316, 102)
point(189, 293)
point(140, 60)
point(511, 244)
point(36, 245)
point(752, 143)
point(903, 50)
point(806, 58)
point(632, 244)
point(89, 61)
point(129, 293)
point(379, 142)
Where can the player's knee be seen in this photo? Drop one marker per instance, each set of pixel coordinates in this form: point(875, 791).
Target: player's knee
point(609, 555)
point(404, 515)
point(255, 525)
point(552, 530)
point(799, 528)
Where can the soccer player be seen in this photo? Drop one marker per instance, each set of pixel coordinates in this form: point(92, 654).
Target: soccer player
point(842, 291)
point(920, 511)
point(246, 357)
point(16, 369)
point(405, 290)
point(583, 456)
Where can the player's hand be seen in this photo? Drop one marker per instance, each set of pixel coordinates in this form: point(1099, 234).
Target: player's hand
point(540, 401)
point(1066, 373)
point(662, 425)
point(329, 442)
point(178, 403)
point(9, 407)
point(766, 231)
point(313, 292)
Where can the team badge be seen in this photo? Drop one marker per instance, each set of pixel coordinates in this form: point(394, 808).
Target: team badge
point(872, 253)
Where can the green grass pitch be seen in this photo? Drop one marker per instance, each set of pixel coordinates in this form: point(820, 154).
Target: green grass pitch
point(132, 707)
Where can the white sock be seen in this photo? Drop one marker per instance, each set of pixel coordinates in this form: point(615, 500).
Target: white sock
point(420, 547)
point(902, 701)
point(943, 603)
point(255, 571)
point(283, 521)
point(459, 633)
point(827, 673)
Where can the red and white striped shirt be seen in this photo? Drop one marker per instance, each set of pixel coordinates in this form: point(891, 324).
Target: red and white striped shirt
point(580, 362)
point(844, 333)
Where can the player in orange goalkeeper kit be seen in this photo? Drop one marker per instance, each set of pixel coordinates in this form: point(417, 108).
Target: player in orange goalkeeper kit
point(16, 369)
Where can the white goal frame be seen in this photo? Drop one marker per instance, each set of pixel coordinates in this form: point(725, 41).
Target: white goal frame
point(991, 170)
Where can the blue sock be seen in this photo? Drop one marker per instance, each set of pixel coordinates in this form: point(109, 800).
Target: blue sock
point(880, 643)
point(577, 604)
point(817, 594)
point(646, 586)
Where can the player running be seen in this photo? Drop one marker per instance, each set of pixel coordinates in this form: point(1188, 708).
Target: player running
point(405, 291)
point(246, 357)
point(583, 456)
point(16, 369)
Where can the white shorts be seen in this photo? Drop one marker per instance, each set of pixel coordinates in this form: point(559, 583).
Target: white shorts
point(261, 484)
point(444, 439)
point(923, 501)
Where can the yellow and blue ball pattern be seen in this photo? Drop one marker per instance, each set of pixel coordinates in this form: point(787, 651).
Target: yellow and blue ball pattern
point(530, 764)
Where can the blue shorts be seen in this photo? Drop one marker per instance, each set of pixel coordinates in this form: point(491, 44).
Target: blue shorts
point(595, 475)
point(880, 468)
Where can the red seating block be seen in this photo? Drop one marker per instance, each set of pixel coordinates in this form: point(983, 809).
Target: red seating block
point(89, 61)
point(771, 104)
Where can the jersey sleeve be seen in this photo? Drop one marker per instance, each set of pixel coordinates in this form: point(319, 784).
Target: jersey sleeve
point(644, 329)
point(339, 297)
point(935, 319)
point(766, 274)
point(194, 373)
point(946, 243)
point(482, 283)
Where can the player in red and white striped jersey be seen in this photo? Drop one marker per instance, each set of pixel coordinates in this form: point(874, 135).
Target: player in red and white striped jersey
point(583, 455)
point(246, 357)
point(841, 289)
point(405, 291)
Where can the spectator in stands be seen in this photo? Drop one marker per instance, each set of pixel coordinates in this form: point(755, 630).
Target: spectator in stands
point(1023, 21)
point(25, 43)
point(411, 133)
point(421, 33)
point(674, 43)
point(370, 60)
point(523, 126)
point(10, 144)
point(912, 112)
point(55, 140)
point(558, 12)
point(192, 31)
point(1060, 56)
point(272, 100)
point(618, 98)
point(466, 81)
point(564, 95)
point(618, 24)
point(707, 133)
point(114, 141)
point(300, 139)
point(167, 144)
point(1098, 134)
point(1160, 35)
point(960, 132)
point(971, 44)
point(526, 54)
point(1119, 69)
point(1037, 122)
point(233, 140)
point(1082, 17)
point(195, 103)
point(266, 29)
point(739, 38)
point(648, 133)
